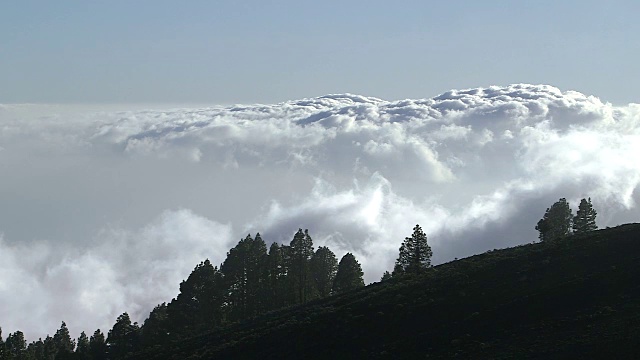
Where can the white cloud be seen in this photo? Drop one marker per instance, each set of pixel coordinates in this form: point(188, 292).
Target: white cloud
point(44, 284)
point(476, 168)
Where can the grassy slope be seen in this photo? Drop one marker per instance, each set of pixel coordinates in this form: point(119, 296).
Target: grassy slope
point(578, 298)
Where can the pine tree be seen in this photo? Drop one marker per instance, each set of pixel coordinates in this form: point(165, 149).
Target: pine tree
point(242, 271)
point(257, 282)
point(386, 276)
point(290, 293)
point(556, 222)
point(198, 307)
point(16, 345)
point(414, 254)
point(349, 275)
point(585, 219)
point(83, 351)
point(324, 265)
point(543, 227)
point(276, 275)
point(154, 331)
point(63, 342)
point(97, 346)
point(50, 349)
point(299, 275)
point(122, 338)
point(35, 350)
point(2, 348)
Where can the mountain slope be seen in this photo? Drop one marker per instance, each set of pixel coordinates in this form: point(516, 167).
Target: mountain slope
point(577, 297)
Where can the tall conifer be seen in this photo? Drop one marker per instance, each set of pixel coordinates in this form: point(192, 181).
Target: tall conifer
point(414, 254)
point(276, 272)
point(243, 269)
point(198, 307)
point(63, 341)
point(324, 265)
point(585, 219)
point(97, 345)
point(299, 276)
point(82, 349)
point(556, 222)
point(349, 275)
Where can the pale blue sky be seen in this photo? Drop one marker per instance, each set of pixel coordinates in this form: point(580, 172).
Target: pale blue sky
point(259, 51)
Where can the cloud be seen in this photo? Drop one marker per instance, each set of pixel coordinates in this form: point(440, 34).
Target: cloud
point(92, 193)
point(44, 284)
point(369, 220)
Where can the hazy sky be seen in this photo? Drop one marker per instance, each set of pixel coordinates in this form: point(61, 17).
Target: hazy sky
point(107, 203)
point(267, 51)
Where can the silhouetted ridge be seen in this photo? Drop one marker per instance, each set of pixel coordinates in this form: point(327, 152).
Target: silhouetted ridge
point(576, 297)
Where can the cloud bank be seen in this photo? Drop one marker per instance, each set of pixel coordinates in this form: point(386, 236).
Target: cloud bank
point(106, 211)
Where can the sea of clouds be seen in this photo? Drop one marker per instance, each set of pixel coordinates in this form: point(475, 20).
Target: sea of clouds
point(104, 211)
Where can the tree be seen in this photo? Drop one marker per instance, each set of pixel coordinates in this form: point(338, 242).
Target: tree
point(243, 270)
point(82, 349)
point(324, 265)
point(349, 275)
point(256, 279)
point(154, 330)
point(556, 222)
point(63, 342)
point(198, 307)
point(278, 289)
point(386, 276)
point(50, 349)
point(16, 345)
point(98, 346)
point(299, 275)
point(122, 338)
point(2, 348)
point(35, 350)
point(585, 219)
point(414, 254)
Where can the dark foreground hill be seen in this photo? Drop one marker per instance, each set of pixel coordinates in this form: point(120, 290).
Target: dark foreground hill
point(577, 298)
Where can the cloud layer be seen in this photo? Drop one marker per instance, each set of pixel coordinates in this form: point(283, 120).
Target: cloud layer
point(106, 211)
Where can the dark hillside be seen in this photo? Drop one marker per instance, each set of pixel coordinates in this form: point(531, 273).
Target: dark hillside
point(578, 297)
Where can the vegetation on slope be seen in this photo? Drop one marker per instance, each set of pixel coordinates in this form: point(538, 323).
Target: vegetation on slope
point(572, 294)
point(575, 297)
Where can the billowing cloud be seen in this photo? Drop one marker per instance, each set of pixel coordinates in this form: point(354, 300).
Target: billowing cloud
point(119, 271)
point(92, 199)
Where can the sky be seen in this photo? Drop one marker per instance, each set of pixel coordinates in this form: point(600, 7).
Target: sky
point(138, 139)
point(227, 52)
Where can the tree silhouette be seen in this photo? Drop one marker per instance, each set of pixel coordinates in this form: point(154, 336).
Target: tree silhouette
point(414, 254)
point(249, 282)
point(83, 351)
point(155, 330)
point(15, 345)
point(243, 269)
point(585, 219)
point(64, 344)
point(198, 307)
point(299, 275)
point(324, 265)
point(50, 349)
point(2, 348)
point(556, 222)
point(276, 276)
point(349, 275)
point(98, 346)
point(35, 350)
point(122, 338)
